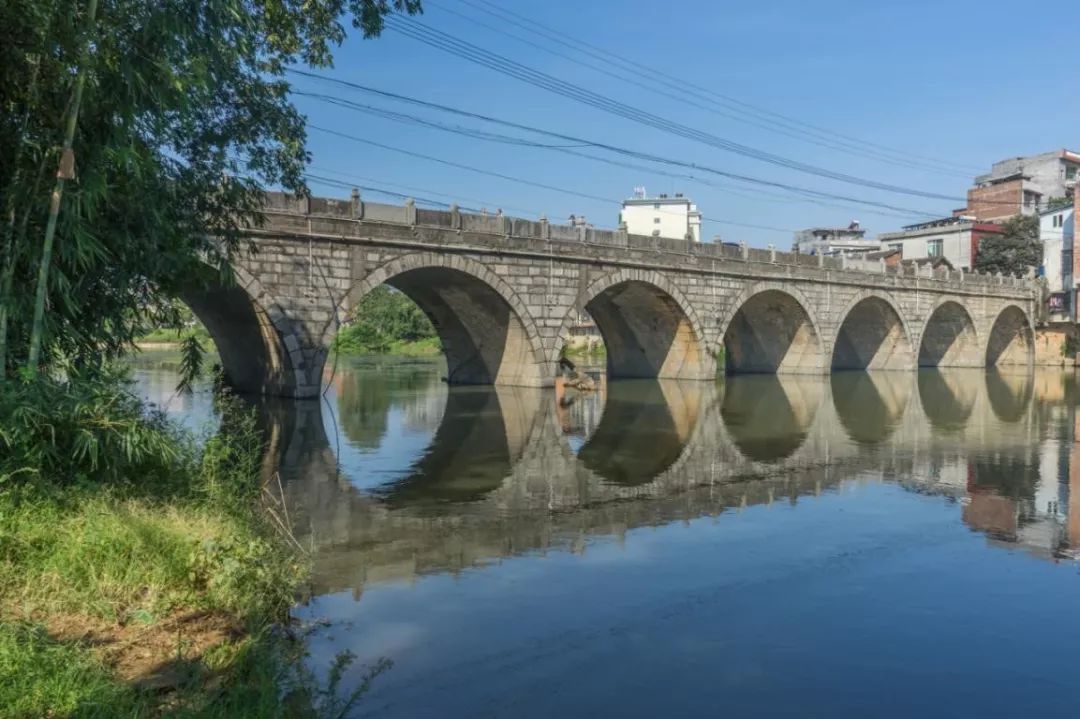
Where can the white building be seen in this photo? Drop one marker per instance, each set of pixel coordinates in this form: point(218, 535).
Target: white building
point(1057, 230)
point(850, 240)
point(662, 216)
point(954, 238)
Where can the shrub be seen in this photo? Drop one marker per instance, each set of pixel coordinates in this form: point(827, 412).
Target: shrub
point(83, 429)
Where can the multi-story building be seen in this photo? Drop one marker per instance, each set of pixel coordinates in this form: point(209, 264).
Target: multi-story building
point(1057, 231)
point(850, 240)
point(954, 238)
point(661, 216)
point(1022, 185)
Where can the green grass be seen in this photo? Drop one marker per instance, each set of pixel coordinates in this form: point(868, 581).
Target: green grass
point(49, 678)
point(598, 350)
point(257, 676)
point(169, 335)
point(95, 551)
point(427, 347)
point(117, 525)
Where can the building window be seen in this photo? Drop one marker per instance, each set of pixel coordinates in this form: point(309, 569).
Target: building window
point(1059, 220)
point(656, 220)
point(1070, 172)
point(933, 248)
point(897, 247)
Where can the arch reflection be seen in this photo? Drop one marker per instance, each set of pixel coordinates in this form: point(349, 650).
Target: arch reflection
point(492, 472)
point(644, 429)
point(483, 432)
point(769, 416)
point(870, 405)
point(1009, 393)
point(948, 396)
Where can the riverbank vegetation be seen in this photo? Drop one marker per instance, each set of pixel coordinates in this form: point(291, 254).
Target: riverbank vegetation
point(595, 350)
point(138, 571)
point(182, 327)
point(141, 572)
point(387, 322)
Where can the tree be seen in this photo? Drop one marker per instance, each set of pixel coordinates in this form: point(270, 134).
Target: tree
point(185, 117)
point(1059, 203)
point(1016, 250)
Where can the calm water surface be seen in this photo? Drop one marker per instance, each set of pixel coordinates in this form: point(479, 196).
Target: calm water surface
point(862, 545)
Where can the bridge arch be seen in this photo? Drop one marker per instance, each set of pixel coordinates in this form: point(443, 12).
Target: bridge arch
point(949, 338)
point(1011, 339)
point(487, 333)
point(872, 335)
point(649, 327)
point(772, 328)
point(261, 350)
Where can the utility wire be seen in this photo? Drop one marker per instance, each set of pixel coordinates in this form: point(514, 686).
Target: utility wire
point(568, 150)
point(610, 148)
point(503, 65)
point(378, 190)
point(678, 94)
point(511, 178)
point(483, 203)
point(613, 58)
point(566, 141)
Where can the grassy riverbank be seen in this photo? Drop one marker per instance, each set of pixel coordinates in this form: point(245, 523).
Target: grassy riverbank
point(427, 347)
point(139, 574)
point(595, 352)
point(165, 337)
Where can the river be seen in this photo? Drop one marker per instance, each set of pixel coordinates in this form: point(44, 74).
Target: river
point(885, 544)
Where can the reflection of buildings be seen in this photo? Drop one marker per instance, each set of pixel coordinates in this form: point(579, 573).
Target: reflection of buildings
point(1030, 499)
point(1072, 498)
point(518, 471)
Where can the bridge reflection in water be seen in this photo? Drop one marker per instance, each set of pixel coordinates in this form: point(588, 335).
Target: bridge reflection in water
point(397, 475)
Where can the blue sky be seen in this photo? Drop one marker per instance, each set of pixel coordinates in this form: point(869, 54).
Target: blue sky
point(960, 81)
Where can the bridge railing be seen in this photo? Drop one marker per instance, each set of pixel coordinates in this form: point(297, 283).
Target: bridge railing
point(316, 213)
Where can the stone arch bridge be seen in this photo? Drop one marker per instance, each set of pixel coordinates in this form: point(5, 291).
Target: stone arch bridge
point(504, 292)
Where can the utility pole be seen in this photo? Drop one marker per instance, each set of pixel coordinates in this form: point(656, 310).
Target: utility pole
point(65, 172)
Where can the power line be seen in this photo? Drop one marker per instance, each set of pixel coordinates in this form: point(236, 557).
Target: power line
point(503, 65)
point(605, 146)
point(567, 149)
point(484, 203)
point(511, 178)
point(378, 190)
point(566, 141)
point(678, 94)
point(608, 56)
